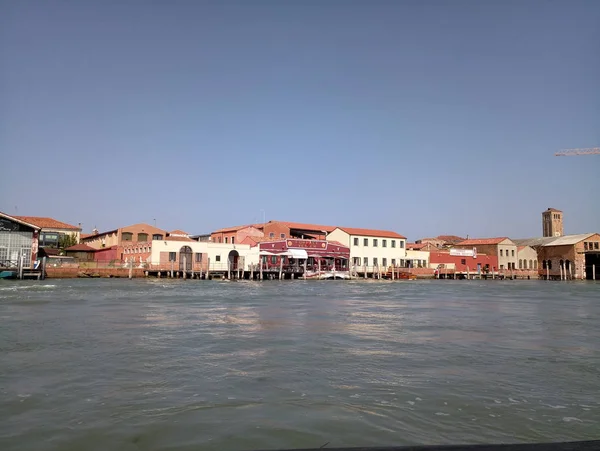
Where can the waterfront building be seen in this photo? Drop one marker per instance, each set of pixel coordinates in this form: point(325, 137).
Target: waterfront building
point(502, 248)
point(567, 256)
point(18, 240)
point(52, 230)
point(272, 230)
point(370, 248)
point(417, 258)
point(469, 263)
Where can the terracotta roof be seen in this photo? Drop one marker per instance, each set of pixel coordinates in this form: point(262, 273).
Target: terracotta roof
point(416, 246)
point(303, 226)
point(86, 235)
point(178, 238)
point(235, 228)
point(371, 232)
point(80, 248)
point(481, 241)
point(20, 221)
point(554, 209)
point(47, 223)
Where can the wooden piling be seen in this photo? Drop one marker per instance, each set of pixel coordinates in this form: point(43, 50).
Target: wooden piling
point(184, 267)
point(131, 269)
point(280, 266)
point(172, 269)
point(594, 271)
point(261, 268)
point(207, 268)
point(365, 268)
point(304, 269)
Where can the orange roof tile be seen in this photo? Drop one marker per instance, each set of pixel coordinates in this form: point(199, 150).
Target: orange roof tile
point(371, 232)
point(235, 228)
point(450, 238)
point(178, 232)
point(482, 241)
point(47, 223)
point(178, 238)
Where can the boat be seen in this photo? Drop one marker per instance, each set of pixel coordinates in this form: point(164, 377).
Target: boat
point(8, 274)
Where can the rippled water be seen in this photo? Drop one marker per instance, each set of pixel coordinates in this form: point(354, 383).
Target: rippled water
point(156, 365)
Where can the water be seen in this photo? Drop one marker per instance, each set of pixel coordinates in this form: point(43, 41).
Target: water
point(173, 365)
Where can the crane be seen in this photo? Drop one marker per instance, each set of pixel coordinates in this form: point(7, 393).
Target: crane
point(574, 152)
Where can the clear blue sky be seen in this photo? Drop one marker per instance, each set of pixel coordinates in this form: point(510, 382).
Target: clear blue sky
point(425, 117)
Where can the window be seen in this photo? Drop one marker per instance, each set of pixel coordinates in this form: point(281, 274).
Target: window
point(365, 242)
point(226, 240)
point(384, 262)
point(375, 261)
point(272, 235)
point(512, 253)
point(142, 237)
point(172, 256)
point(596, 245)
point(282, 235)
point(374, 242)
point(544, 264)
point(217, 258)
point(535, 263)
point(157, 236)
point(356, 241)
point(127, 236)
point(501, 253)
point(463, 261)
point(198, 258)
point(520, 264)
point(273, 259)
point(383, 243)
point(366, 261)
point(549, 264)
point(401, 244)
point(393, 243)
point(232, 240)
point(530, 264)
point(357, 260)
point(501, 266)
point(393, 262)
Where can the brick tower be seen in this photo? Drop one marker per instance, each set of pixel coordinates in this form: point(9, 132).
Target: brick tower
point(552, 222)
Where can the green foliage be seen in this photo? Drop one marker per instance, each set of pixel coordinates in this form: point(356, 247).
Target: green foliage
point(67, 240)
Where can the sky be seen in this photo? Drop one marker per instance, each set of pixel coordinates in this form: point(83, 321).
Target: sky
point(422, 117)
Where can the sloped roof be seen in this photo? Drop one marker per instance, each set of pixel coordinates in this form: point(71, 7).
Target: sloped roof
point(239, 227)
point(371, 232)
point(481, 241)
point(178, 233)
point(566, 240)
point(80, 248)
point(416, 246)
point(47, 223)
point(178, 238)
point(19, 221)
point(554, 209)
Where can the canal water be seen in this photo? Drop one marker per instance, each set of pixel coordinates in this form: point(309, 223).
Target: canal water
point(179, 365)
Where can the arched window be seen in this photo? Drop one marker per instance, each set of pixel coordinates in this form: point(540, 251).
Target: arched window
point(535, 264)
point(561, 264)
point(525, 264)
point(531, 264)
point(567, 265)
point(544, 264)
point(520, 263)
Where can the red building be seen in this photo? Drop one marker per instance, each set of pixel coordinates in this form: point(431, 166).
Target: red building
point(462, 264)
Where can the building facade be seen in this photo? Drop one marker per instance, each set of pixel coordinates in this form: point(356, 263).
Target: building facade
point(503, 248)
point(140, 235)
point(528, 258)
point(371, 248)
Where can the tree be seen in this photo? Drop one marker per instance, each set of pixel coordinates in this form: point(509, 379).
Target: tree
point(67, 240)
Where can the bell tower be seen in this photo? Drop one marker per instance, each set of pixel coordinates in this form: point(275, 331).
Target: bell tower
point(552, 223)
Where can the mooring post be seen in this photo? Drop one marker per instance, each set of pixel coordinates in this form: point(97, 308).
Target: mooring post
point(304, 274)
point(280, 266)
point(594, 271)
point(260, 275)
point(365, 268)
point(207, 268)
point(131, 269)
point(184, 267)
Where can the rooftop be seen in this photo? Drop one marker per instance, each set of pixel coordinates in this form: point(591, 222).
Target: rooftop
point(566, 240)
point(18, 221)
point(80, 248)
point(47, 223)
point(371, 232)
point(482, 241)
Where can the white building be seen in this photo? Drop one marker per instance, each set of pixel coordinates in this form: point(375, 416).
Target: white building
point(417, 259)
point(371, 248)
point(190, 255)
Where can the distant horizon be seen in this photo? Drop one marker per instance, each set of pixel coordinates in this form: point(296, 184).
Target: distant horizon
point(422, 117)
